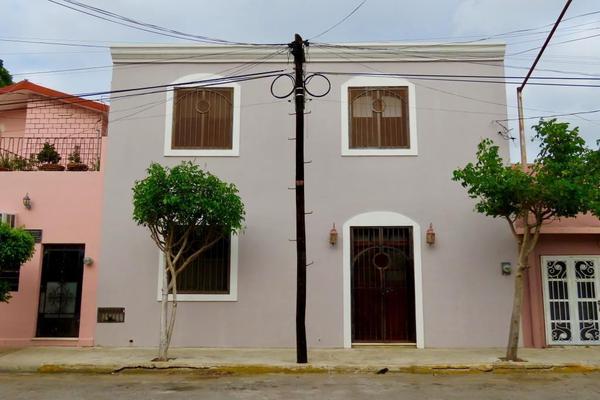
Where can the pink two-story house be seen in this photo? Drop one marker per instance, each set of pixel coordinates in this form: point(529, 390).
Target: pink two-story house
point(54, 294)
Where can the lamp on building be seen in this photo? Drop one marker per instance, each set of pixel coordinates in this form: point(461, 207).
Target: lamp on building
point(430, 235)
point(87, 261)
point(333, 236)
point(27, 202)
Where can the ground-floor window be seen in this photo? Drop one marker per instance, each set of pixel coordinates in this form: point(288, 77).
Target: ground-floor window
point(571, 299)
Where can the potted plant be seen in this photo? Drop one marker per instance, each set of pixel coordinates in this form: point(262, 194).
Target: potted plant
point(75, 163)
point(6, 163)
point(49, 159)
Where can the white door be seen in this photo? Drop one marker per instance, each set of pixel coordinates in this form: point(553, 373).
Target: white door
point(571, 299)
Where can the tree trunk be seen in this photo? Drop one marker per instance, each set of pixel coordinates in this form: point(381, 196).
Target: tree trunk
point(164, 310)
point(515, 319)
point(173, 308)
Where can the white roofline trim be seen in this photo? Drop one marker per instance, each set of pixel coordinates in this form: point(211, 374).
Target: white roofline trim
point(348, 52)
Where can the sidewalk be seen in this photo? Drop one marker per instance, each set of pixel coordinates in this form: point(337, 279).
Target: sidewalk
point(364, 359)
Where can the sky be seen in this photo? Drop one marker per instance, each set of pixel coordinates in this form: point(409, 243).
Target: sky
point(275, 21)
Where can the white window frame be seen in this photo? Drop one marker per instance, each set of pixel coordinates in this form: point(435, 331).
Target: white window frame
point(233, 279)
point(376, 81)
point(235, 143)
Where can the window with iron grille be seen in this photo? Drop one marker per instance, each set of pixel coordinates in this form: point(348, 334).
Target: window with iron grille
point(202, 118)
point(378, 117)
point(11, 277)
point(209, 273)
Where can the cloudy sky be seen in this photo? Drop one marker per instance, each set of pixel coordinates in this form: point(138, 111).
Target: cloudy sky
point(276, 21)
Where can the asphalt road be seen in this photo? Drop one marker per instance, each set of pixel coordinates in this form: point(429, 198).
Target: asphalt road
point(150, 386)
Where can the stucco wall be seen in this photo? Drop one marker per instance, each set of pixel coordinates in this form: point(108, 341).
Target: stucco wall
point(466, 299)
point(67, 207)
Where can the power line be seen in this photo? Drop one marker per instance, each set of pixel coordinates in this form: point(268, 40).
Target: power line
point(214, 81)
point(362, 3)
point(144, 26)
point(340, 53)
point(53, 43)
point(554, 44)
point(553, 115)
point(138, 64)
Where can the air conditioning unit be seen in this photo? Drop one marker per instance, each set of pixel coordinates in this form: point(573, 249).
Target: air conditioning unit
point(10, 219)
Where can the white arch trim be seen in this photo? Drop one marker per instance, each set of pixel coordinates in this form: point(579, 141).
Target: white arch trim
point(237, 98)
point(382, 218)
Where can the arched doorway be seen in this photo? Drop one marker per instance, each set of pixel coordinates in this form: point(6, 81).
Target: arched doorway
point(382, 280)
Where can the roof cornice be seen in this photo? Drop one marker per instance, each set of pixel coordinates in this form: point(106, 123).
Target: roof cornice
point(347, 52)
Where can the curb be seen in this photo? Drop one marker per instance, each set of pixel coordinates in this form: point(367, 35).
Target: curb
point(260, 369)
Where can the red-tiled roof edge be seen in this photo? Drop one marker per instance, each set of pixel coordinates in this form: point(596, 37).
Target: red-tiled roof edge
point(60, 96)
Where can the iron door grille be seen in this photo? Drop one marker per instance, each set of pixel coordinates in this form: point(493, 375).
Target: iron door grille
point(382, 279)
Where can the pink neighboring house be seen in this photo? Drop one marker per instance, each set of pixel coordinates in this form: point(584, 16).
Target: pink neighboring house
point(562, 284)
point(54, 297)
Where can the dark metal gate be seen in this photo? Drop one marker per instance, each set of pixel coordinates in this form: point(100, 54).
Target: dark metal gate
point(60, 291)
point(383, 295)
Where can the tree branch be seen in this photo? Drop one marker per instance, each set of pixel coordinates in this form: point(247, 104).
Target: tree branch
point(196, 254)
point(511, 223)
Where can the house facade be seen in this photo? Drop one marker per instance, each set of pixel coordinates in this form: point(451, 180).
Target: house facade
point(380, 151)
point(561, 303)
point(53, 294)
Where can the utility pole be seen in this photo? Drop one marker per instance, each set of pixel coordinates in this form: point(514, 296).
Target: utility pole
point(297, 49)
point(522, 142)
point(515, 318)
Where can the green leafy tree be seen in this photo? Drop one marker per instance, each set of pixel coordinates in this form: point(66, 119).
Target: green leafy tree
point(5, 77)
point(187, 210)
point(563, 181)
point(16, 247)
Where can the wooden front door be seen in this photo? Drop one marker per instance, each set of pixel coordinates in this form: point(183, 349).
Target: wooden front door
point(60, 291)
point(383, 296)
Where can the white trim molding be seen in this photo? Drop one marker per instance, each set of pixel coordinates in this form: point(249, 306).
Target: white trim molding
point(353, 52)
point(376, 81)
point(233, 279)
point(235, 148)
point(382, 218)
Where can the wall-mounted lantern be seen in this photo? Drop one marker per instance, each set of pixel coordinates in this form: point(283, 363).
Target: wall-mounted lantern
point(430, 235)
point(333, 236)
point(87, 261)
point(27, 202)
point(506, 268)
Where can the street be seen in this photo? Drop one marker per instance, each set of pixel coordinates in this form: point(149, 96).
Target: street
point(184, 385)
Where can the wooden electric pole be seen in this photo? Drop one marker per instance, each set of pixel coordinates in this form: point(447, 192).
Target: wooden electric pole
point(297, 49)
point(522, 141)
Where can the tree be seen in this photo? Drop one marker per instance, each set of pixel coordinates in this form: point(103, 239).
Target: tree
point(16, 247)
point(5, 77)
point(187, 211)
point(563, 181)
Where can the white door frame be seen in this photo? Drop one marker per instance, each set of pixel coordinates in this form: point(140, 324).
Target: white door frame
point(382, 218)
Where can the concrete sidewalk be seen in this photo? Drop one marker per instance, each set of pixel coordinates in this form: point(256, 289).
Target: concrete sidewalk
point(243, 360)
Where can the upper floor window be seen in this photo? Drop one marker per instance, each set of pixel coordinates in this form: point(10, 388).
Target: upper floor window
point(378, 117)
point(202, 118)
point(202, 121)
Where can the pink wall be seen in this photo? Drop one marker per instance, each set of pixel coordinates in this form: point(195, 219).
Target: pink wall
point(54, 118)
point(12, 123)
point(67, 207)
point(533, 305)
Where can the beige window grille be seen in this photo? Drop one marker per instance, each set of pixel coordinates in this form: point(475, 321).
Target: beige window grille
point(379, 117)
point(202, 118)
